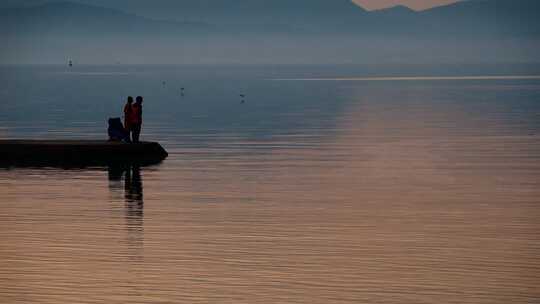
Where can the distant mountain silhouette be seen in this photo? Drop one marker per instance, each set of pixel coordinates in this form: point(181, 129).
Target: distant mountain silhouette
point(280, 29)
point(467, 18)
point(397, 10)
point(226, 11)
point(66, 18)
point(495, 17)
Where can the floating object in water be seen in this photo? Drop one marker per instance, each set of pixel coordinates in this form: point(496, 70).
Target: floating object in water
point(181, 91)
point(164, 83)
point(243, 98)
point(70, 63)
point(81, 153)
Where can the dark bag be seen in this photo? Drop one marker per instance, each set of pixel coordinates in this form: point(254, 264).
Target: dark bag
point(116, 130)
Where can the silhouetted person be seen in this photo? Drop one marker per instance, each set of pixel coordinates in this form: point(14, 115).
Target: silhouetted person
point(137, 118)
point(128, 117)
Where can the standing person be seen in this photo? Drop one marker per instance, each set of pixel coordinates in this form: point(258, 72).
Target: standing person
point(128, 117)
point(137, 118)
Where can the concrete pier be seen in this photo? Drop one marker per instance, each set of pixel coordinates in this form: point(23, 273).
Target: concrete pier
point(78, 153)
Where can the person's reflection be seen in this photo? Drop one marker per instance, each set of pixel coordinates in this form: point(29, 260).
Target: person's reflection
point(115, 182)
point(134, 204)
point(133, 193)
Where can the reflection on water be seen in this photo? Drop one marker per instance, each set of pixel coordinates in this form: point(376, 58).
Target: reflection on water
point(326, 192)
point(134, 203)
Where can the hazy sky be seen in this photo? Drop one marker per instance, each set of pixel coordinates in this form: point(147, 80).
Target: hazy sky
point(414, 4)
point(368, 4)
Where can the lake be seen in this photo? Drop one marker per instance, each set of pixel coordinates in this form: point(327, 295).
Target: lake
point(328, 184)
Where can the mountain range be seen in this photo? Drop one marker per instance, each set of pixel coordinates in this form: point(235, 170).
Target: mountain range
point(256, 24)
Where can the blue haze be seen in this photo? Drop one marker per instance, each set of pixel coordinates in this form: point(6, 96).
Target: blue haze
point(267, 32)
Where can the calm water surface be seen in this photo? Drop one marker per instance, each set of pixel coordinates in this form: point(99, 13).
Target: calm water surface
point(343, 191)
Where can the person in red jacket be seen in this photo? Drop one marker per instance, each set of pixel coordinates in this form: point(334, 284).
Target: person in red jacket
point(137, 118)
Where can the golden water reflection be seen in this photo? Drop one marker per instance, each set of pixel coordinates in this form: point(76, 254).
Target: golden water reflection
point(419, 202)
